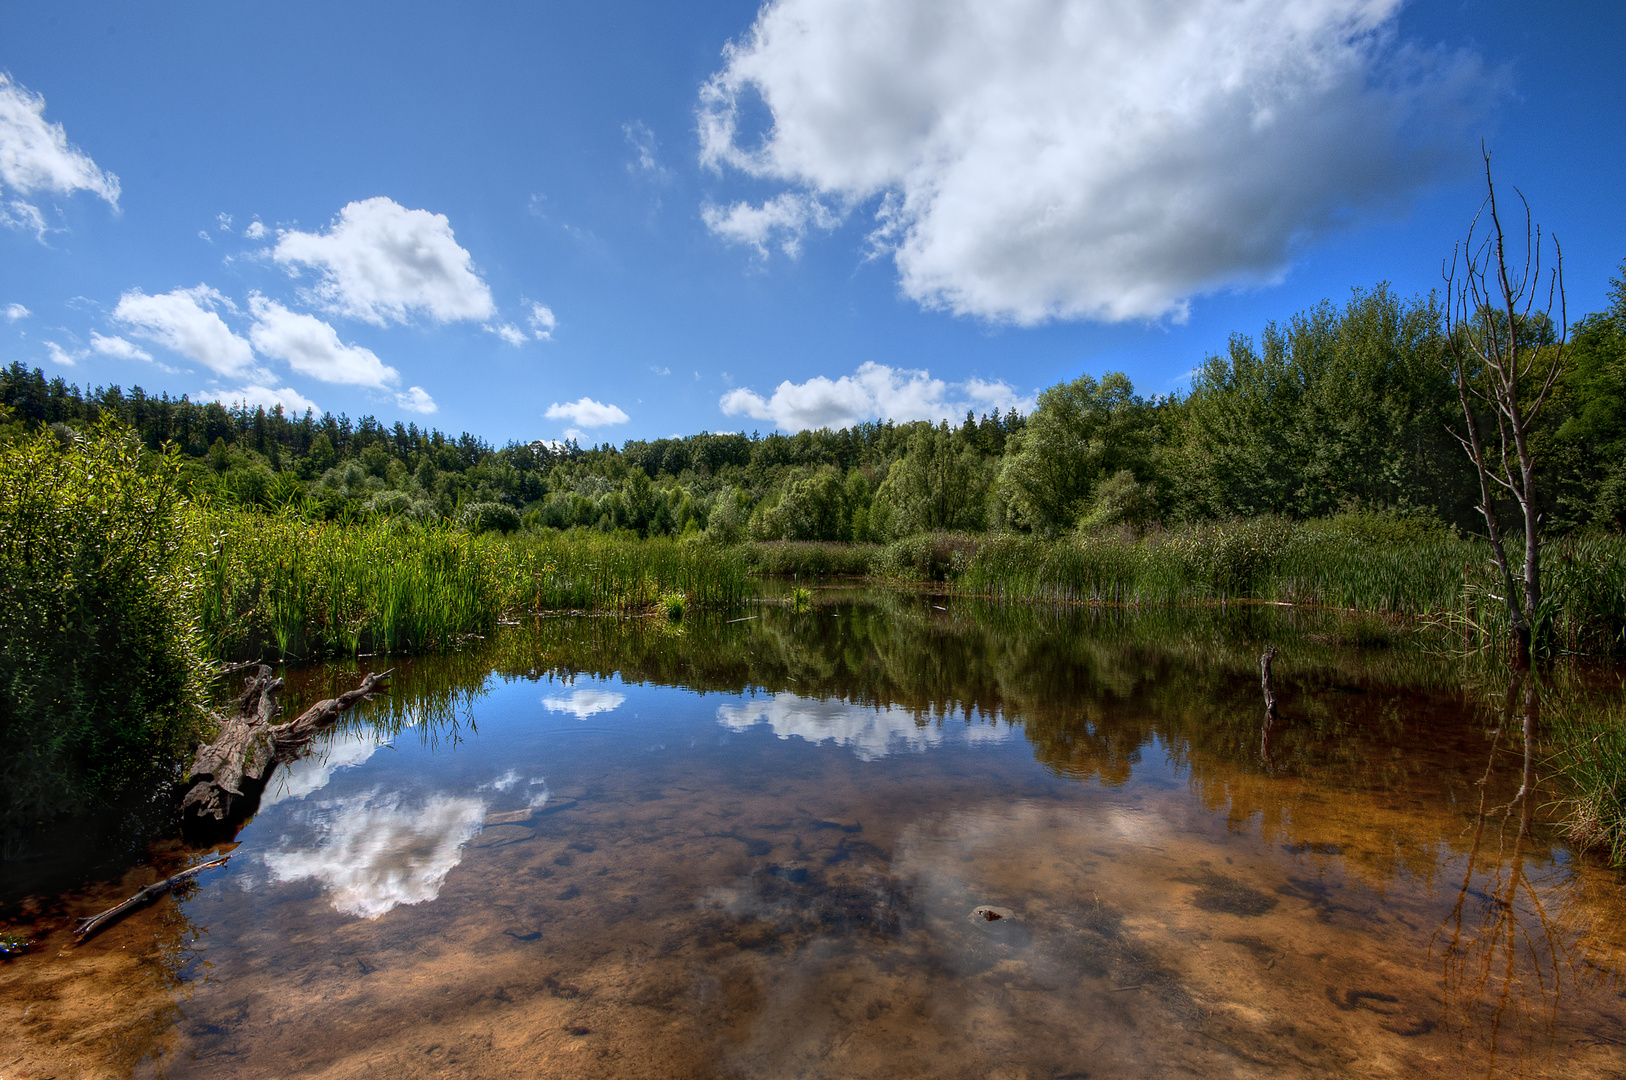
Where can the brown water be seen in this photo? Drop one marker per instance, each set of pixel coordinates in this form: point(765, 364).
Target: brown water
point(599, 848)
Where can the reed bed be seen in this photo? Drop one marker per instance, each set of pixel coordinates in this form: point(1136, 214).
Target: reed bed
point(1440, 575)
point(285, 587)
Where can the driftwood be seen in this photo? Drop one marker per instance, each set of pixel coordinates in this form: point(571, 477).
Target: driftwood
point(87, 927)
point(229, 773)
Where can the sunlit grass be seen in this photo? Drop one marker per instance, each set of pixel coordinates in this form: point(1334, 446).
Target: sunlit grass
point(286, 587)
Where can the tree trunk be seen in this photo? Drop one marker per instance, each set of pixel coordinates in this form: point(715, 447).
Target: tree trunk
point(229, 774)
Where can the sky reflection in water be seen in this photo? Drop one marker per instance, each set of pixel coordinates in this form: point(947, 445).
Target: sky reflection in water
point(761, 856)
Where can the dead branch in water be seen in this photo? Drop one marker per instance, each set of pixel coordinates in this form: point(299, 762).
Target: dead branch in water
point(1269, 689)
point(87, 927)
point(229, 773)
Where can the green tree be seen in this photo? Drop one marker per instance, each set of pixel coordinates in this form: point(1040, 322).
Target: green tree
point(1081, 433)
point(939, 483)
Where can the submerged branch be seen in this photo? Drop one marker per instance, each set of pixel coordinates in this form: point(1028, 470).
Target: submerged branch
point(89, 926)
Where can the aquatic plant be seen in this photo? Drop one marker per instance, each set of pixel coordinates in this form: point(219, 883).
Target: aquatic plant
point(672, 603)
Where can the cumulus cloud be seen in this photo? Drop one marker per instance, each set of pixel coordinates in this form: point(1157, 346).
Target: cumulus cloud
point(13, 312)
point(185, 321)
point(542, 322)
point(36, 158)
point(1040, 159)
point(873, 392)
point(783, 219)
point(118, 348)
point(381, 262)
point(584, 703)
point(587, 413)
point(292, 401)
point(312, 347)
point(869, 732)
point(375, 853)
point(255, 230)
point(416, 399)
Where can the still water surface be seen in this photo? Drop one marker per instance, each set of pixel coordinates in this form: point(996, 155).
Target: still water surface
point(621, 849)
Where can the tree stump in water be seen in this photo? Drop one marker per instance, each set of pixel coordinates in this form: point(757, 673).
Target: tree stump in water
point(229, 774)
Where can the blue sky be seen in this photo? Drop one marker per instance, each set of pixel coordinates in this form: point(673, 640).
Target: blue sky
point(633, 220)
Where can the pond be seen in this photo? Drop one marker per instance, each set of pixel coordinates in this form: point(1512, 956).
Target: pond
point(892, 835)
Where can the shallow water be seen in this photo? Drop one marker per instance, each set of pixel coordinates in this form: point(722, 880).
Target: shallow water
point(600, 848)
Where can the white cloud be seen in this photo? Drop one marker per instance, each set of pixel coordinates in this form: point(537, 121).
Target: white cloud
point(292, 401)
point(13, 312)
point(542, 322)
point(416, 399)
point(36, 157)
point(25, 216)
point(374, 853)
point(381, 262)
point(873, 392)
point(509, 333)
point(184, 321)
point(587, 413)
point(1039, 159)
point(255, 230)
point(584, 703)
point(118, 348)
point(642, 141)
point(223, 221)
point(312, 347)
point(869, 732)
point(59, 355)
point(783, 219)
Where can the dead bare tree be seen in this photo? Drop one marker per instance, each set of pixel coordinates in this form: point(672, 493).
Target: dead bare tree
point(1506, 356)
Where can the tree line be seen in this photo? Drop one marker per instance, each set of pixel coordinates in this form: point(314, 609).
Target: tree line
point(1339, 408)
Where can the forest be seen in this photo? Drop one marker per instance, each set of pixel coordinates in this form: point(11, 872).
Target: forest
point(1339, 409)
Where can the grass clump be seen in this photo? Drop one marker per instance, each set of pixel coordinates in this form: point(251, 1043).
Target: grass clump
point(672, 604)
point(1590, 737)
point(101, 674)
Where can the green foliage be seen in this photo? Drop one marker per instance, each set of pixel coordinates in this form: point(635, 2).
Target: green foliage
point(1081, 433)
point(284, 586)
point(672, 604)
point(100, 674)
point(940, 483)
point(483, 517)
point(1337, 407)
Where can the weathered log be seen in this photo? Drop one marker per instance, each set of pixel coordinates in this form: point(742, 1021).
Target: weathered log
point(89, 926)
point(229, 773)
point(241, 757)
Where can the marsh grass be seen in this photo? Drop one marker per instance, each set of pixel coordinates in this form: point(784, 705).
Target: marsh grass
point(285, 587)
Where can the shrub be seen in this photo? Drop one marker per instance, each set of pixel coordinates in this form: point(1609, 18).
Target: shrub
point(490, 517)
point(101, 677)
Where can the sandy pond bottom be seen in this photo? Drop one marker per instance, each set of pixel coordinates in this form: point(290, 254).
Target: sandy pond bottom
point(608, 879)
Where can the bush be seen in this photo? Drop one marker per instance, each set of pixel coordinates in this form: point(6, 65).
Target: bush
point(483, 517)
point(101, 677)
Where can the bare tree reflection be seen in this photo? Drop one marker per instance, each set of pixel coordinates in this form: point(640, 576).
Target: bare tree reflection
point(1507, 960)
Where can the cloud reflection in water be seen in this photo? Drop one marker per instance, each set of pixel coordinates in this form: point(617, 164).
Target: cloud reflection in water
point(375, 853)
point(870, 732)
point(584, 703)
point(312, 772)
